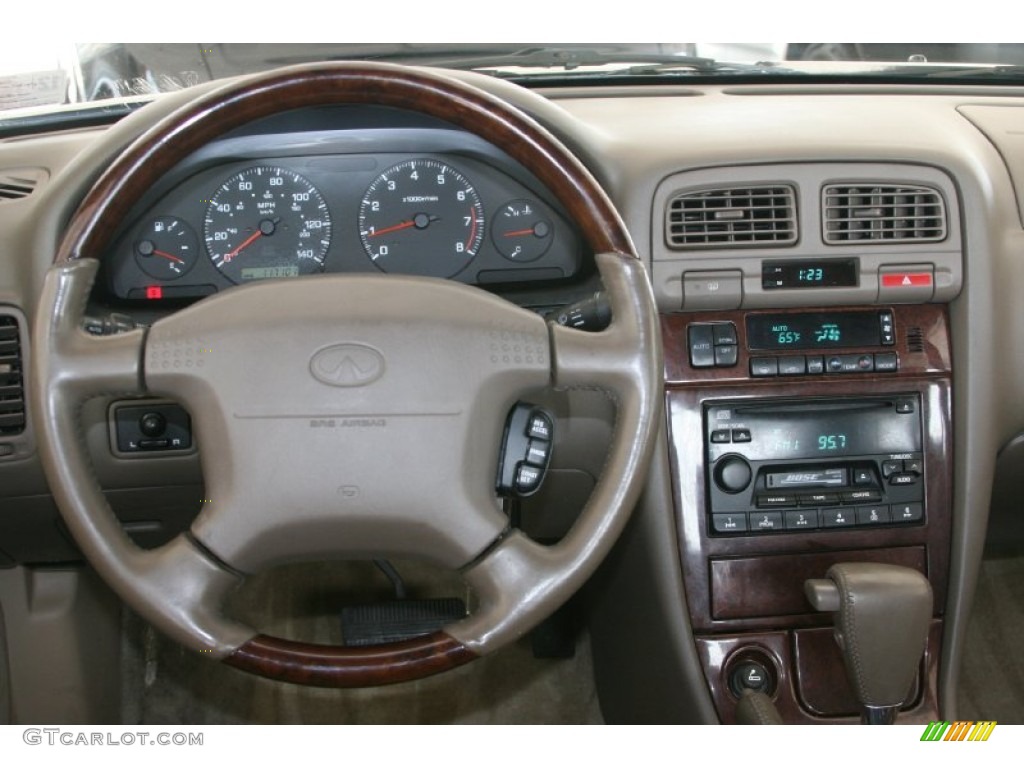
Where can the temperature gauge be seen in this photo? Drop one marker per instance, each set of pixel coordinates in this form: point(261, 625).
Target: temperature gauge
point(166, 248)
point(521, 231)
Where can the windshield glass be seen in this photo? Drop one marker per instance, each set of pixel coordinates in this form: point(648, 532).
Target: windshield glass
point(47, 77)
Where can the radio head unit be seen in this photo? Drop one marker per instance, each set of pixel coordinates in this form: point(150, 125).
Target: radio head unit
point(791, 465)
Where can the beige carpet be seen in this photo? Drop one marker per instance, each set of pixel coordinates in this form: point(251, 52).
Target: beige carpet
point(164, 684)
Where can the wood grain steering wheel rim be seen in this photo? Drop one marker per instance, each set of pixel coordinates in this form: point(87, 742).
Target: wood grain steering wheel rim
point(519, 581)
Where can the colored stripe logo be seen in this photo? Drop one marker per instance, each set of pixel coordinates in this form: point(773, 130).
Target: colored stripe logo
point(961, 730)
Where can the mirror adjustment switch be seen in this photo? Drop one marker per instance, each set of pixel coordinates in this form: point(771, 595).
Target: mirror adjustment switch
point(525, 450)
point(140, 426)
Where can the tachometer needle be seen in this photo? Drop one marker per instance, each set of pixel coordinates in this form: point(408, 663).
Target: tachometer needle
point(248, 241)
point(395, 228)
point(167, 256)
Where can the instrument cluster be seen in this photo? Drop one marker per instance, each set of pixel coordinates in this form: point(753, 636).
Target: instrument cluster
point(234, 216)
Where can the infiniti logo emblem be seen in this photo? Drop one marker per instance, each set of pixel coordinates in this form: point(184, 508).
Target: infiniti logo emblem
point(347, 365)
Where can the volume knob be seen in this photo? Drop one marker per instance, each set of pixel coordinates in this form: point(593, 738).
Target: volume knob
point(732, 474)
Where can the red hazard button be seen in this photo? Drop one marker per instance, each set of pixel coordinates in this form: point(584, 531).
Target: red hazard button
point(907, 280)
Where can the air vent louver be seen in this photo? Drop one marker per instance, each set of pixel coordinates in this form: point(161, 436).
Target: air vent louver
point(889, 212)
point(19, 183)
point(915, 340)
point(732, 217)
point(12, 393)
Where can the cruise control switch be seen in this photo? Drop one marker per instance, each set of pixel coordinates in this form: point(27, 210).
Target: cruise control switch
point(525, 450)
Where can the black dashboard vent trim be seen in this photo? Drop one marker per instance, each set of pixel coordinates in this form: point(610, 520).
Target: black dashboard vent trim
point(882, 212)
point(12, 382)
point(915, 340)
point(732, 217)
point(19, 183)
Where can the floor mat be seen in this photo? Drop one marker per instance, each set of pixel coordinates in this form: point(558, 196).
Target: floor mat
point(992, 678)
point(165, 684)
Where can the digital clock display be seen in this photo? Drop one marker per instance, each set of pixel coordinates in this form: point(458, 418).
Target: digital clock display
point(814, 330)
point(822, 273)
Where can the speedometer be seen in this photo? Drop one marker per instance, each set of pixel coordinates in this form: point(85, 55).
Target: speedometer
point(267, 222)
point(421, 217)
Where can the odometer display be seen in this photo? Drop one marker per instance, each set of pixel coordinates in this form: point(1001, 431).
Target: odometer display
point(421, 217)
point(267, 222)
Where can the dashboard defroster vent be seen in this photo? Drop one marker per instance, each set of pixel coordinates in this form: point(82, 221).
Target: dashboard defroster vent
point(732, 217)
point(884, 212)
point(12, 391)
point(19, 183)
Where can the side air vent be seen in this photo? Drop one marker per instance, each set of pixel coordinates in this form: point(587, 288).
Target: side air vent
point(883, 212)
point(915, 340)
point(732, 217)
point(12, 392)
point(19, 183)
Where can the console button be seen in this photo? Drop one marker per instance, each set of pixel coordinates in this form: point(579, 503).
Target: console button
point(915, 466)
point(863, 477)
point(902, 478)
point(732, 474)
point(793, 365)
point(726, 356)
point(539, 427)
point(721, 436)
point(891, 467)
point(764, 366)
point(741, 435)
point(765, 521)
point(725, 334)
point(886, 362)
point(729, 523)
point(776, 500)
point(527, 478)
point(815, 364)
point(152, 424)
point(905, 405)
point(908, 513)
point(876, 515)
point(702, 347)
point(818, 499)
point(801, 520)
point(538, 452)
point(887, 326)
point(838, 518)
point(862, 497)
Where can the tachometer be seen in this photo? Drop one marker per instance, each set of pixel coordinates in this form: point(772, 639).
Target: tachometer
point(421, 217)
point(267, 222)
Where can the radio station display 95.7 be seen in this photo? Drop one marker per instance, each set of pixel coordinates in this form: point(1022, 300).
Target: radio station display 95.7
point(819, 330)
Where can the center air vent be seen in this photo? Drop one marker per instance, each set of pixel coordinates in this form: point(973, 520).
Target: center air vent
point(732, 217)
point(889, 212)
point(12, 393)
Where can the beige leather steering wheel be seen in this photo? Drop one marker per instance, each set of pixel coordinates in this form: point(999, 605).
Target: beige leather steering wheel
point(423, 473)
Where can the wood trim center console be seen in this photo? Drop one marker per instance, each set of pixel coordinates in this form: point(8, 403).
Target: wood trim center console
point(745, 588)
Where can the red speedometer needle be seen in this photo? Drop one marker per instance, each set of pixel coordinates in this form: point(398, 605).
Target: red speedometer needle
point(519, 232)
point(395, 228)
point(248, 241)
point(168, 256)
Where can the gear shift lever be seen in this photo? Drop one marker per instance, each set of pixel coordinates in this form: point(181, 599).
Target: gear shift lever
point(882, 613)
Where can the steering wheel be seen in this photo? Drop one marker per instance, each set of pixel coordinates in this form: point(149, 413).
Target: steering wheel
point(409, 467)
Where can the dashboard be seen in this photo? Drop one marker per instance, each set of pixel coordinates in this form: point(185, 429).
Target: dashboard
point(812, 250)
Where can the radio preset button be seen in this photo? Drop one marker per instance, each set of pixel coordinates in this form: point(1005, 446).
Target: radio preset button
point(729, 523)
point(877, 515)
point(837, 518)
point(765, 521)
point(908, 513)
point(801, 520)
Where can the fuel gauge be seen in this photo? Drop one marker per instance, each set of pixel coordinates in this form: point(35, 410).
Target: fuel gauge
point(166, 248)
point(521, 231)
